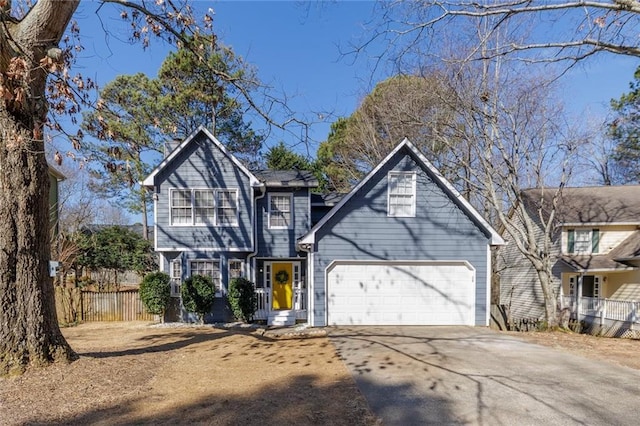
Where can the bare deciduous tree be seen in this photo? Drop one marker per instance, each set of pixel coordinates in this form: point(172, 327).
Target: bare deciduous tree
point(566, 30)
point(37, 45)
point(507, 132)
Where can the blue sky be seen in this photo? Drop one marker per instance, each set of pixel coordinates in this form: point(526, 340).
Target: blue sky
point(296, 48)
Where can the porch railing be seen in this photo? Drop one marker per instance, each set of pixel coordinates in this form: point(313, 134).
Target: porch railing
point(264, 303)
point(604, 309)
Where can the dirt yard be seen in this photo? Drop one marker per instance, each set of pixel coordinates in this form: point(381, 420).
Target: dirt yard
point(134, 373)
point(617, 351)
point(131, 373)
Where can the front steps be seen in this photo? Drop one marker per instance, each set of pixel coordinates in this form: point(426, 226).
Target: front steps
point(281, 318)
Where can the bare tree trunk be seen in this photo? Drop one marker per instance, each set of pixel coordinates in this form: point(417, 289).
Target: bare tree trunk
point(29, 332)
point(550, 302)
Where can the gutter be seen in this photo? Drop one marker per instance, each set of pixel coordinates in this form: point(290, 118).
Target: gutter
point(254, 253)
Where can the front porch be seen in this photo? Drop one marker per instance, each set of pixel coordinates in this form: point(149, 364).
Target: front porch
point(281, 291)
point(614, 318)
point(265, 311)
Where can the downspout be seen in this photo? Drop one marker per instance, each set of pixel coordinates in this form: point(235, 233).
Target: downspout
point(252, 255)
point(310, 281)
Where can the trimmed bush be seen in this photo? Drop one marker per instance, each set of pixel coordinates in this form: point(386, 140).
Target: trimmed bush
point(155, 293)
point(198, 294)
point(242, 299)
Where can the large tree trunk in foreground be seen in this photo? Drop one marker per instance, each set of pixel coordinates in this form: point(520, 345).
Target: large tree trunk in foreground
point(29, 332)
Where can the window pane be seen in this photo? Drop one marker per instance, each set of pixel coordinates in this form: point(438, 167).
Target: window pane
point(235, 269)
point(227, 207)
point(176, 278)
point(207, 268)
point(582, 242)
point(180, 207)
point(204, 206)
point(280, 211)
point(401, 194)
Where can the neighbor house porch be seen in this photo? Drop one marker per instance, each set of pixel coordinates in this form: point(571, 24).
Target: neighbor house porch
point(606, 300)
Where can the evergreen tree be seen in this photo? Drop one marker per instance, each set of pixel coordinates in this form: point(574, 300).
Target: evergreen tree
point(625, 132)
point(137, 116)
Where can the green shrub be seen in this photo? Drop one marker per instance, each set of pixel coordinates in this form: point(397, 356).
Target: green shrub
point(242, 299)
point(198, 294)
point(155, 293)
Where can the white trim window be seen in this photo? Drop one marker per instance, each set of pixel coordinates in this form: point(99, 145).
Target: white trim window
point(235, 269)
point(180, 206)
point(227, 207)
point(280, 211)
point(176, 277)
point(207, 268)
point(583, 241)
point(203, 207)
point(401, 190)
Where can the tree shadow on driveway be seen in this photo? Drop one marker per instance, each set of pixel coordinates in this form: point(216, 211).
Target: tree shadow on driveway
point(467, 375)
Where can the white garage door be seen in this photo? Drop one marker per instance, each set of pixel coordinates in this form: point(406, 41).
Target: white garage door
point(401, 293)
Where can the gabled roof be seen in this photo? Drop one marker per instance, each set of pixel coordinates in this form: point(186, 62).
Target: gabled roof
point(150, 180)
point(590, 205)
point(629, 249)
point(496, 239)
point(326, 200)
point(287, 178)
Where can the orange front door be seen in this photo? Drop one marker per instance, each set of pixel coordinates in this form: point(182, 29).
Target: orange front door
point(282, 285)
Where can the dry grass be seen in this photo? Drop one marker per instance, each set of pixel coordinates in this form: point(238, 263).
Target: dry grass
point(133, 373)
point(617, 351)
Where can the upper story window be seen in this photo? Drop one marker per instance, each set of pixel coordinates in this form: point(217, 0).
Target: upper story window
point(217, 207)
point(401, 201)
point(204, 206)
point(227, 203)
point(583, 241)
point(280, 211)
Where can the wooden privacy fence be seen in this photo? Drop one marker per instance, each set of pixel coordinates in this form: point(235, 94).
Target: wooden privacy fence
point(74, 305)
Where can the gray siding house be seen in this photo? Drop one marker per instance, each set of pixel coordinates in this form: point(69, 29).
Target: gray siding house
point(403, 247)
point(595, 252)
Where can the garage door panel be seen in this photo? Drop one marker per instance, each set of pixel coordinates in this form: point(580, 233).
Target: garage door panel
point(428, 293)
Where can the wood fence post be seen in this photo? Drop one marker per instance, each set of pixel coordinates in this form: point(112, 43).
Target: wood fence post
point(603, 311)
point(634, 314)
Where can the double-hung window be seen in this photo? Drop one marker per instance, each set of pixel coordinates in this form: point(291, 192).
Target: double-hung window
point(181, 210)
point(401, 194)
point(204, 206)
point(583, 241)
point(280, 211)
point(207, 268)
point(217, 207)
point(227, 203)
point(235, 269)
point(176, 277)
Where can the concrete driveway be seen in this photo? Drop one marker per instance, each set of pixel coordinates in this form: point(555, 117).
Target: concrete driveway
point(467, 375)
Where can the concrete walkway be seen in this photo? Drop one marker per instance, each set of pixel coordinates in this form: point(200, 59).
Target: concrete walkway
point(469, 375)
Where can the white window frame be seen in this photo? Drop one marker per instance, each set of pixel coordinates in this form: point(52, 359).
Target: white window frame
point(393, 193)
point(586, 235)
point(207, 212)
point(271, 212)
point(204, 206)
point(187, 207)
point(234, 207)
point(176, 277)
point(231, 262)
point(214, 273)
